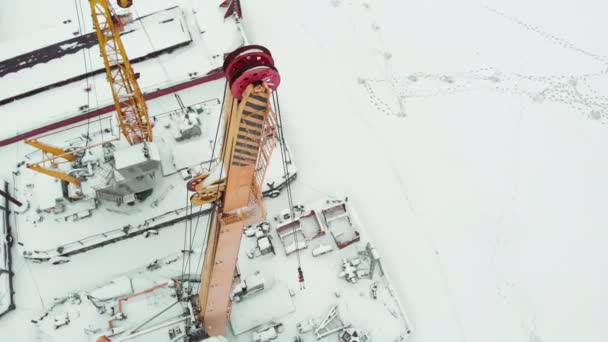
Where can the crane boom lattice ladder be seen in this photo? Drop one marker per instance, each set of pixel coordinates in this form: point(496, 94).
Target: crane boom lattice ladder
point(128, 100)
point(249, 140)
point(246, 156)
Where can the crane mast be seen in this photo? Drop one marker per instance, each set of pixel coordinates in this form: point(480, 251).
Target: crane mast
point(249, 139)
point(128, 100)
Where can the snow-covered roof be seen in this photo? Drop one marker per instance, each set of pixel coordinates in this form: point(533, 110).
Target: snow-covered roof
point(136, 154)
point(47, 190)
point(190, 153)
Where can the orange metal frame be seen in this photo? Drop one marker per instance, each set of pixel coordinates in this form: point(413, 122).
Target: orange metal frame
point(55, 173)
point(250, 131)
point(57, 153)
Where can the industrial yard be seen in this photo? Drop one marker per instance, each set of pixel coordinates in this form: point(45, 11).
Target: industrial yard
point(430, 171)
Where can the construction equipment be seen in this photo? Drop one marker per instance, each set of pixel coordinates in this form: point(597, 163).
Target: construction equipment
point(52, 153)
point(330, 324)
point(128, 100)
point(235, 186)
point(130, 105)
point(250, 130)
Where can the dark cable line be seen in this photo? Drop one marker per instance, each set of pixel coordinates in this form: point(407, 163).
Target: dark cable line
point(275, 99)
point(191, 240)
point(193, 236)
point(79, 15)
point(214, 205)
point(217, 130)
point(205, 240)
point(141, 20)
point(185, 234)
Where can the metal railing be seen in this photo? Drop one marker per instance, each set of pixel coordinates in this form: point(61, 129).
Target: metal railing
point(105, 238)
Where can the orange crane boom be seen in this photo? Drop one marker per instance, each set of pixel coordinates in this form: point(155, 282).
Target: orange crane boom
point(249, 139)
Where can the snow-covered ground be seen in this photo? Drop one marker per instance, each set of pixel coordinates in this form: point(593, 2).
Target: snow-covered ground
point(49, 22)
point(382, 319)
point(488, 202)
point(479, 166)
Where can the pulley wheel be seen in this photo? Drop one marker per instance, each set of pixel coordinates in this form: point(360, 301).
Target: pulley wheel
point(191, 185)
point(245, 61)
point(208, 197)
point(124, 3)
point(244, 49)
point(261, 73)
point(200, 187)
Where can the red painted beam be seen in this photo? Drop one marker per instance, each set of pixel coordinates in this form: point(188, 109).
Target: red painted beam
point(10, 198)
point(100, 111)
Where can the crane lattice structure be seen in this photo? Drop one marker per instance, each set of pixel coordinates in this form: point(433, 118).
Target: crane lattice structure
point(128, 100)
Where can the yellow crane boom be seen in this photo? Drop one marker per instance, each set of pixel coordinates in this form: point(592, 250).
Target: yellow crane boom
point(128, 100)
point(56, 153)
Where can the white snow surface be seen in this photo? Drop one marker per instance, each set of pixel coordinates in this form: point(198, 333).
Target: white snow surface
point(486, 201)
point(45, 22)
